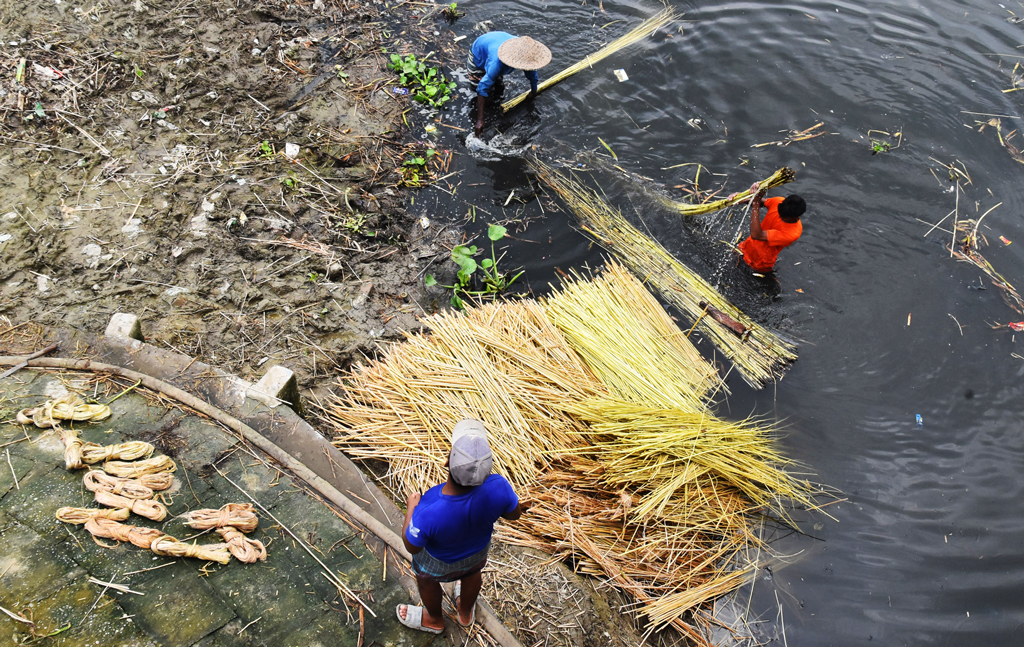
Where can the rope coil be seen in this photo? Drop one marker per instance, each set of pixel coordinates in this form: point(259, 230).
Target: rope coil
point(238, 515)
point(137, 469)
point(108, 529)
point(69, 407)
point(167, 546)
point(96, 481)
point(72, 449)
point(144, 508)
point(93, 453)
point(78, 516)
point(244, 549)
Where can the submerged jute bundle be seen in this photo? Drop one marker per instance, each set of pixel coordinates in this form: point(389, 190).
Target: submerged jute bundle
point(68, 407)
point(129, 451)
point(238, 515)
point(109, 529)
point(96, 481)
point(244, 549)
point(138, 469)
point(78, 516)
point(144, 508)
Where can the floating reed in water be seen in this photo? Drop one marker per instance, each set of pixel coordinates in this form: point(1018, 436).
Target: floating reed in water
point(643, 30)
point(759, 355)
point(652, 362)
point(778, 178)
point(654, 501)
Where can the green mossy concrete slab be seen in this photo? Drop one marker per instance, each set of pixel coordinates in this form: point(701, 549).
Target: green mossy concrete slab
point(327, 630)
point(44, 447)
point(179, 608)
point(111, 564)
point(45, 490)
point(189, 492)
point(32, 566)
point(94, 617)
point(271, 591)
point(11, 468)
point(205, 442)
point(258, 480)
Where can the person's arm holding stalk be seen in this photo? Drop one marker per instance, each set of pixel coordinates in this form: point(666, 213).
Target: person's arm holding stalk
point(755, 213)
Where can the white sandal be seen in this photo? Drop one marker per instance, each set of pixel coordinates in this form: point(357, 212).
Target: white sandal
point(414, 618)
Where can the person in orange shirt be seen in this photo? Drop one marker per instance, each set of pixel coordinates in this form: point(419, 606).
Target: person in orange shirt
point(780, 228)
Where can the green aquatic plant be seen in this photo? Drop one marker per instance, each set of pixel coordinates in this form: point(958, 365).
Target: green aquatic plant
point(492, 281)
point(426, 84)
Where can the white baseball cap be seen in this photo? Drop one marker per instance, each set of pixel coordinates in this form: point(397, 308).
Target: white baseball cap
point(470, 461)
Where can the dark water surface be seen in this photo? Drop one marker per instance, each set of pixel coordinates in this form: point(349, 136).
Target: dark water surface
point(929, 548)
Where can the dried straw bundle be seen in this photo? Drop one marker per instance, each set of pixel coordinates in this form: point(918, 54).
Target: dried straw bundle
point(759, 355)
point(629, 342)
point(143, 507)
point(643, 30)
point(238, 515)
point(93, 453)
point(96, 481)
point(504, 364)
point(79, 516)
point(776, 179)
point(68, 407)
point(245, 550)
point(138, 469)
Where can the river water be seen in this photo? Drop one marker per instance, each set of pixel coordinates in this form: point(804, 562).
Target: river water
point(927, 549)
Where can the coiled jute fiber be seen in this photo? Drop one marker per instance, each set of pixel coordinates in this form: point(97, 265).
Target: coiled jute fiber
point(238, 515)
point(143, 507)
point(79, 516)
point(78, 453)
point(138, 469)
point(97, 481)
point(68, 407)
point(156, 541)
point(244, 549)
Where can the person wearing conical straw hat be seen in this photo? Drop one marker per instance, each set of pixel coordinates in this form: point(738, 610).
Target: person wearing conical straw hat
point(448, 529)
point(497, 53)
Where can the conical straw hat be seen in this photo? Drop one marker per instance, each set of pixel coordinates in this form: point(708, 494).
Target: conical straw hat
point(524, 53)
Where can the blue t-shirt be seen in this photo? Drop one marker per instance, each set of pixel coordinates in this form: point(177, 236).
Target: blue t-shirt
point(451, 528)
point(485, 56)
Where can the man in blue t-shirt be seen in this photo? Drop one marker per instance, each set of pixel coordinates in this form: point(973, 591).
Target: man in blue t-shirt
point(497, 53)
point(448, 529)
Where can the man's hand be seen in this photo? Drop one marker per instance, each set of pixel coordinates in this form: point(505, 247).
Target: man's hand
point(412, 500)
point(478, 128)
point(754, 188)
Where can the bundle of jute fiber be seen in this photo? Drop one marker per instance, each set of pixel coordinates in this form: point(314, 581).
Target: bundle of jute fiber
point(759, 355)
point(68, 407)
point(653, 362)
point(109, 529)
point(129, 451)
point(78, 516)
point(143, 507)
point(245, 550)
point(783, 176)
point(238, 515)
point(139, 469)
point(72, 449)
point(158, 481)
point(167, 546)
point(643, 30)
point(96, 481)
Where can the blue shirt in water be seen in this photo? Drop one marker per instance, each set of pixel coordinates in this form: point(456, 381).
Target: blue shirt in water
point(485, 57)
point(451, 528)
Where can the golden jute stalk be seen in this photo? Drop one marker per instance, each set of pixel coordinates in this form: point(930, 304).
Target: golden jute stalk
point(643, 30)
point(776, 179)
